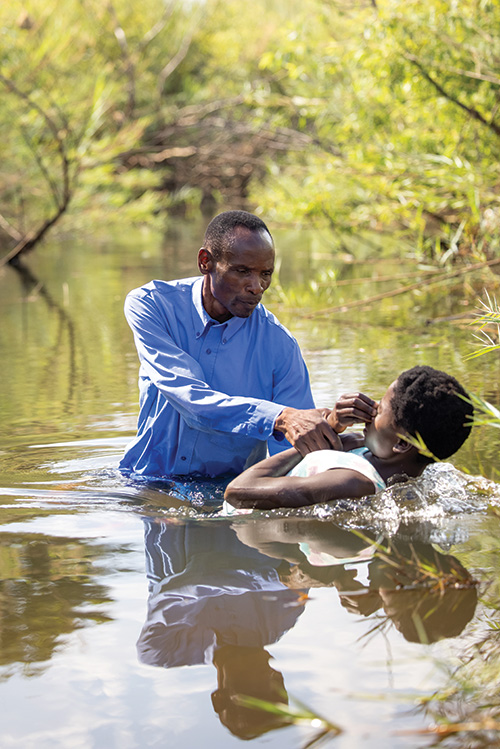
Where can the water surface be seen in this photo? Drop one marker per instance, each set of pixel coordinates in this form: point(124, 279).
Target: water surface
point(134, 614)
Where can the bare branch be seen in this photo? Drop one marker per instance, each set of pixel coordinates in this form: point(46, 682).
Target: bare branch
point(127, 60)
point(474, 113)
point(158, 26)
point(11, 86)
point(30, 240)
point(428, 280)
point(495, 80)
point(174, 62)
point(62, 201)
point(9, 229)
point(36, 155)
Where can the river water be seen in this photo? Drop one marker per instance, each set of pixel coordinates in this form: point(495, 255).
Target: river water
point(136, 615)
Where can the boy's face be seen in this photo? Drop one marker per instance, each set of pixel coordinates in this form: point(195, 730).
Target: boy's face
point(381, 434)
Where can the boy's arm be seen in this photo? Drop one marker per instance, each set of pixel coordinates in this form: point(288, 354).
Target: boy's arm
point(265, 486)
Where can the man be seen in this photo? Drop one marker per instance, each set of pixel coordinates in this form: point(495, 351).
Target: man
point(220, 377)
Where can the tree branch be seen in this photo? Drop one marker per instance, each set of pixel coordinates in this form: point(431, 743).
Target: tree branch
point(174, 62)
point(158, 26)
point(9, 229)
point(127, 60)
point(428, 281)
point(474, 113)
point(52, 184)
point(62, 200)
point(30, 240)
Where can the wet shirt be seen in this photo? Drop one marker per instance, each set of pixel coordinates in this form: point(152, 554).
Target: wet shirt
point(325, 460)
point(320, 461)
point(209, 392)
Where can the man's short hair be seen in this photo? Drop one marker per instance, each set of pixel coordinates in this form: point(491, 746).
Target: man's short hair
point(427, 402)
point(219, 236)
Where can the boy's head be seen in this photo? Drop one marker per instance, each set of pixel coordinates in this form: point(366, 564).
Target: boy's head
point(422, 401)
point(431, 403)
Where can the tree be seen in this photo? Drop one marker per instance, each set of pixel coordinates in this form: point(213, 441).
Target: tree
point(402, 101)
point(364, 116)
point(69, 72)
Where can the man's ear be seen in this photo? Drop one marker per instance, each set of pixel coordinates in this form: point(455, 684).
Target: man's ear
point(402, 446)
point(206, 263)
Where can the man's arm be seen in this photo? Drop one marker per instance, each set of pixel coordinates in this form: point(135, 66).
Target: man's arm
point(265, 486)
point(317, 429)
point(302, 425)
point(180, 378)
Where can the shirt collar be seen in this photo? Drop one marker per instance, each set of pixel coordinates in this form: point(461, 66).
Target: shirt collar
point(202, 320)
point(200, 317)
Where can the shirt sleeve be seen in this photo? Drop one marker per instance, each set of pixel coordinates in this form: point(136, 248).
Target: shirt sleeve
point(291, 386)
point(180, 378)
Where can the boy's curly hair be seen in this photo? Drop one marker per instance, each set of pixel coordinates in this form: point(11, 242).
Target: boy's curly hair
point(427, 402)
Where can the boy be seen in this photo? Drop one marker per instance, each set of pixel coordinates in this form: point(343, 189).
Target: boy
point(422, 402)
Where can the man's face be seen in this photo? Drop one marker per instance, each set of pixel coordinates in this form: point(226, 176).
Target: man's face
point(234, 285)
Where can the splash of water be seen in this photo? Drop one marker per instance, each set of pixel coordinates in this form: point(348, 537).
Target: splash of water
point(430, 507)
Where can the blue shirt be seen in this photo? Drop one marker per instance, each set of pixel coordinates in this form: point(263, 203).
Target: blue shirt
point(208, 589)
point(209, 392)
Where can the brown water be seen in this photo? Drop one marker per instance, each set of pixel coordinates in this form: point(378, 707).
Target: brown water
point(132, 614)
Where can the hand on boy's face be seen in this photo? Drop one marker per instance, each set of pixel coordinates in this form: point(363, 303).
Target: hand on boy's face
point(352, 408)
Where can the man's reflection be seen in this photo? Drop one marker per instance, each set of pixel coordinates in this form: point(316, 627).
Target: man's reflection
point(221, 593)
point(246, 671)
point(427, 595)
point(214, 599)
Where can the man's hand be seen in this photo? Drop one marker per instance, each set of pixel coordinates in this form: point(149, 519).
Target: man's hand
point(351, 409)
point(308, 430)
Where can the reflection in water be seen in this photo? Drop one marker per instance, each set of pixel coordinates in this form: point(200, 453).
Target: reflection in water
point(436, 503)
point(426, 594)
point(246, 671)
point(34, 287)
point(220, 593)
point(214, 599)
point(45, 584)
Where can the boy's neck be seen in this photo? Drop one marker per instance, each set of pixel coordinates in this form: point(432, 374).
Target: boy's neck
point(389, 467)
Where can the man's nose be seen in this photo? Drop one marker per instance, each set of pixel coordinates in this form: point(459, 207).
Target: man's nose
point(256, 285)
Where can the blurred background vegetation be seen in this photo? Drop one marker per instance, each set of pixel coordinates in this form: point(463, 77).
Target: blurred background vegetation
point(357, 116)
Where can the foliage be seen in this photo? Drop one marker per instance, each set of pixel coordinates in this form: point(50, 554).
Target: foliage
point(485, 413)
point(488, 318)
point(401, 100)
point(358, 116)
point(80, 84)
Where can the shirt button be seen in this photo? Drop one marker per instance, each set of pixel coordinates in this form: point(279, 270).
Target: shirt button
point(261, 430)
point(209, 351)
point(183, 457)
point(224, 340)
